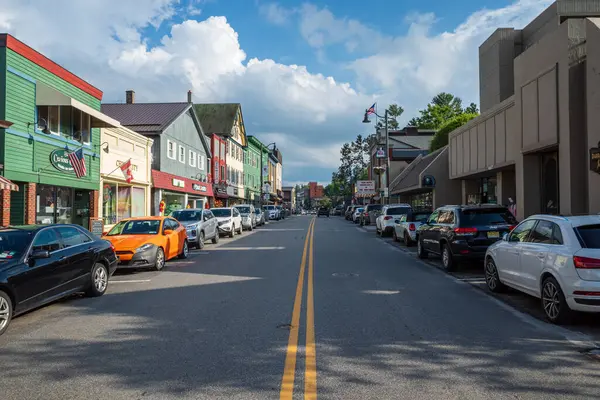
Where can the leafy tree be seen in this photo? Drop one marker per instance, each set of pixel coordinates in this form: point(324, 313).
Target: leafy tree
point(442, 107)
point(472, 109)
point(325, 202)
point(440, 139)
point(394, 111)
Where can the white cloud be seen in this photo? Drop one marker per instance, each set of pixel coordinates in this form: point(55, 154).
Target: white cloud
point(275, 14)
point(312, 113)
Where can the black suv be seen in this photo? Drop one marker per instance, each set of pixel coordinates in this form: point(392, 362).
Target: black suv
point(323, 211)
point(463, 232)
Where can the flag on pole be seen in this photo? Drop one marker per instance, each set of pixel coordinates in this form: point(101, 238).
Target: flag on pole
point(371, 110)
point(126, 169)
point(77, 160)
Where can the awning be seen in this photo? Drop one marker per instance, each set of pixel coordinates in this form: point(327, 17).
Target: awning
point(365, 194)
point(47, 96)
point(5, 184)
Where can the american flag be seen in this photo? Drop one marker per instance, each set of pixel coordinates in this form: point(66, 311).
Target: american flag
point(371, 110)
point(78, 162)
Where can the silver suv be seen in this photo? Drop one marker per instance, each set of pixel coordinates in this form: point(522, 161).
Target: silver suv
point(248, 215)
point(200, 225)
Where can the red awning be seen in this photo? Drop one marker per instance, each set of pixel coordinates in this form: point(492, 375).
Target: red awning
point(8, 185)
point(164, 180)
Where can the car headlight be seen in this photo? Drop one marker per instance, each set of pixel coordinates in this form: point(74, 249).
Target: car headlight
point(144, 247)
point(226, 221)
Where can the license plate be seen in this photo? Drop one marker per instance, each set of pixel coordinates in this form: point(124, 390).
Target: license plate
point(493, 235)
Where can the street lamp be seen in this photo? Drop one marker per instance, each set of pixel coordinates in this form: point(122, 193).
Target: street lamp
point(262, 181)
point(387, 146)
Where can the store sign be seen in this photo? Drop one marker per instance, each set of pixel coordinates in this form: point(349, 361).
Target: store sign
point(595, 159)
point(178, 183)
point(428, 181)
point(198, 187)
point(133, 166)
point(60, 160)
point(365, 187)
point(380, 153)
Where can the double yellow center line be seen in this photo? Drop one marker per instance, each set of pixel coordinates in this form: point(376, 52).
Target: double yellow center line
point(310, 373)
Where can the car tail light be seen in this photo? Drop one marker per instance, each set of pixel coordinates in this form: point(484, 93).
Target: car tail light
point(510, 228)
point(366, 214)
point(113, 248)
point(586, 262)
point(584, 293)
point(465, 231)
point(387, 218)
point(411, 227)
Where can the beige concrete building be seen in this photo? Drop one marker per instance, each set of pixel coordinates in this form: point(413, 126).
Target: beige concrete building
point(540, 121)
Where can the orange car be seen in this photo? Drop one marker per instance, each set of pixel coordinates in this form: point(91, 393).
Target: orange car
point(148, 242)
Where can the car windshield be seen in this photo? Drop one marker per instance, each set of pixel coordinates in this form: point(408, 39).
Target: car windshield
point(487, 217)
point(374, 207)
point(398, 211)
point(14, 243)
point(187, 215)
point(359, 210)
point(590, 235)
point(136, 227)
point(244, 210)
point(221, 212)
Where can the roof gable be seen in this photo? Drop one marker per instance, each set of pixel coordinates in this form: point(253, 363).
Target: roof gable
point(218, 118)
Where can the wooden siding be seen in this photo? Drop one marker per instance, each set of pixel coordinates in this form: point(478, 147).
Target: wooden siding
point(2, 81)
point(249, 169)
point(17, 206)
point(23, 157)
point(481, 144)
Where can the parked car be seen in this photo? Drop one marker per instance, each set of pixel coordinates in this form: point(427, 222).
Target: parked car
point(323, 211)
point(356, 215)
point(463, 232)
point(338, 210)
point(372, 211)
point(40, 264)
point(229, 220)
point(148, 242)
point(390, 213)
point(349, 212)
point(556, 259)
point(200, 225)
point(260, 216)
point(248, 216)
point(408, 226)
point(272, 212)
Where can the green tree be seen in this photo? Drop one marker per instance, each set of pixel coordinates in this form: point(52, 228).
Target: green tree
point(440, 139)
point(325, 202)
point(442, 107)
point(472, 109)
point(394, 112)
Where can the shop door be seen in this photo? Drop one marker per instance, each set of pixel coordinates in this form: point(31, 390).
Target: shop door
point(81, 208)
point(549, 177)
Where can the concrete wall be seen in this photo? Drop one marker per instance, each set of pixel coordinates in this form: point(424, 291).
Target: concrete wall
point(483, 143)
point(592, 117)
point(446, 191)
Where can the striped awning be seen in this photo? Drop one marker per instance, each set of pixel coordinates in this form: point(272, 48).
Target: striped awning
point(8, 185)
point(365, 194)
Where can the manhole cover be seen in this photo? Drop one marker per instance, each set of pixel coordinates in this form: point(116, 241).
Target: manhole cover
point(284, 326)
point(344, 275)
point(594, 354)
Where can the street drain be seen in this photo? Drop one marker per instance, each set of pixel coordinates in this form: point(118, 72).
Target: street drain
point(593, 353)
point(284, 326)
point(344, 275)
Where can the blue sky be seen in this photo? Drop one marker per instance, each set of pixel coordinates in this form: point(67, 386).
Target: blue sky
point(303, 71)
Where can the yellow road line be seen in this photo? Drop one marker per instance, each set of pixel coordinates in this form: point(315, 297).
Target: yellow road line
point(310, 375)
point(289, 372)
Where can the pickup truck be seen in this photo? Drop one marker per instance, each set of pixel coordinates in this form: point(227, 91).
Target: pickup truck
point(406, 227)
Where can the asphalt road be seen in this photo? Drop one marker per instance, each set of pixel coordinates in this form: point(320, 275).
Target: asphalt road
point(367, 321)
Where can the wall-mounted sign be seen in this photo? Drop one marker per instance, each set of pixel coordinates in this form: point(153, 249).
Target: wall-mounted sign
point(380, 153)
point(365, 186)
point(133, 166)
point(595, 159)
point(198, 187)
point(235, 191)
point(59, 158)
point(178, 183)
point(428, 181)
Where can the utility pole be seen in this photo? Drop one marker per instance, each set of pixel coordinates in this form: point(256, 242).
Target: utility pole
point(387, 157)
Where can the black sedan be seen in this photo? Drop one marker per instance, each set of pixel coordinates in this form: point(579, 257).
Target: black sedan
point(323, 211)
point(41, 264)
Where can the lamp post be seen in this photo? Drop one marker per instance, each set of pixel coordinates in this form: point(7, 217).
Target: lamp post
point(387, 148)
point(262, 182)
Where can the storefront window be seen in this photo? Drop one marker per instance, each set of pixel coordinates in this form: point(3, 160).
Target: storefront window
point(64, 205)
point(55, 205)
point(109, 204)
point(46, 199)
point(138, 202)
point(422, 201)
point(173, 202)
point(124, 202)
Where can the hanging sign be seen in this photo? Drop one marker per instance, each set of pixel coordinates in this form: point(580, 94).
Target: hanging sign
point(428, 181)
point(380, 153)
point(60, 160)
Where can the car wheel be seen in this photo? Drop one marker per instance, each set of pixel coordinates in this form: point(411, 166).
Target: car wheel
point(201, 240)
point(407, 240)
point(491, 277)
point(232, 233)
point(554, 303)
point(395, 236)
point(185, 250)
point(241, 230)
point(160, 259)
point(447, 258)
point(99, 282)
point(6, 311)
point(421, 252)
point(251, 227)
point(215, 240)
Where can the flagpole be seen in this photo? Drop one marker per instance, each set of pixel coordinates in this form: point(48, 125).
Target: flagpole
point(119, 167)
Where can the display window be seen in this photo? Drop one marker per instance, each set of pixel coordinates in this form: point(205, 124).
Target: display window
point(122, 201)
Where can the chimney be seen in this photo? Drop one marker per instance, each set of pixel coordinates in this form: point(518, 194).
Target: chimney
point(189, 96)
point(129, 96)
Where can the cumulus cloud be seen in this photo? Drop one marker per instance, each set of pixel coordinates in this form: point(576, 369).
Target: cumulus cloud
point(311, 113)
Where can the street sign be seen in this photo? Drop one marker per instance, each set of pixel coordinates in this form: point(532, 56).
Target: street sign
point(380, 153)
point(386, 192)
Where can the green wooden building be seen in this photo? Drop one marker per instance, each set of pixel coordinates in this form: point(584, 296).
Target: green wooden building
point(47, 113)
point(252, 170)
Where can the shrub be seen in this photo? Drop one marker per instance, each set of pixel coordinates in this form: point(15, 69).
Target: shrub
point(440, 139)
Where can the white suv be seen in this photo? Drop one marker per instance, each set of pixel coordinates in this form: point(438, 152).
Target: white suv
point(389, 217)
point(556, 259)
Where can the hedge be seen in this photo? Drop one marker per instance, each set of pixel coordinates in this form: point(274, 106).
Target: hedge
point(440, 139)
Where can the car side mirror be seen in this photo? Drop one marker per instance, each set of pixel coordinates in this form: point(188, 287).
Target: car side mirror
point(167, 231)
point(39, 254)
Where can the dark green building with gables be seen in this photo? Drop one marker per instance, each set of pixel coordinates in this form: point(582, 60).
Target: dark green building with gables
point(47, 113)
